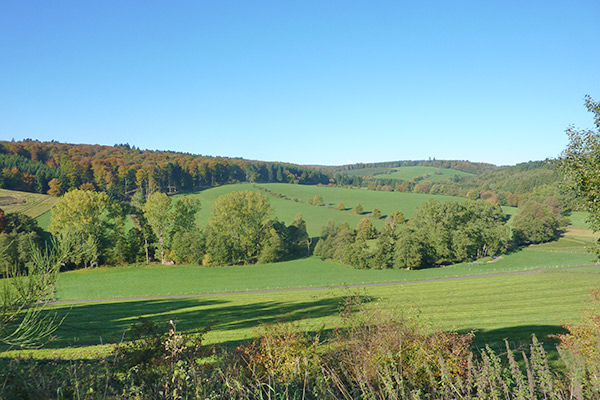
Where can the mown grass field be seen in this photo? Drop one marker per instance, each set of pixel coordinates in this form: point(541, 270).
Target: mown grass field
point(158, 280)
point(509, 306)
point(31, 204)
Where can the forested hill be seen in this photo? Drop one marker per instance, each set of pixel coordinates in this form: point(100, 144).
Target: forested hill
point(54, 168)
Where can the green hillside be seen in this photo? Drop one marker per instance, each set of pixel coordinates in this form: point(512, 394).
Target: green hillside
point(316, 217)
point(35, 205)
point(432, 174)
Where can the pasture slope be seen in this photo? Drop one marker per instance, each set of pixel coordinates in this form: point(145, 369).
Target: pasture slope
point(432, 174)
point(290, 200)
point(496, 307)
point(34, 205)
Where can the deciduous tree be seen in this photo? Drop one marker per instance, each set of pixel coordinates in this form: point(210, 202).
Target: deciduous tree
point(580, 163)
point(238, 228)
point(157, 213)
point(79, 216)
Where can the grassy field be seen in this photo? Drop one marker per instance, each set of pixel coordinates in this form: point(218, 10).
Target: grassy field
point(408, 172)
point(509, 306)
point(31, 204)
point(316, 217)
point(158, 280)
point(579, 219)
point(429, 173)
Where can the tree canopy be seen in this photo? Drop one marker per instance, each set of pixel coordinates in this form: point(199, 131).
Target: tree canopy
point(580, 163)
point(238, 228)
point(79, 215)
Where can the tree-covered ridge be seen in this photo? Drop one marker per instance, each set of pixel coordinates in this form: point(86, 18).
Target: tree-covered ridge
point(120, 170)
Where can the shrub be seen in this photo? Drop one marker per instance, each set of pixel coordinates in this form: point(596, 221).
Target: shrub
point(379, 351)
point(282, 355)
point(158, 364)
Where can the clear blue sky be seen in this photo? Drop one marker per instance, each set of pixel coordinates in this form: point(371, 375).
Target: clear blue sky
point(309, 82)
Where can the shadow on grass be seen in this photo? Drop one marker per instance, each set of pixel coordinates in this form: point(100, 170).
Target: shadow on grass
point(518, 337)
point(92, 324)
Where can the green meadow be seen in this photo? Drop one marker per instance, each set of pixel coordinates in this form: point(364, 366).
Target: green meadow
point(296, 197)
point(428, 173)
point(534, 297)
point(579, 219)
point(408, 172)
point(159, 280)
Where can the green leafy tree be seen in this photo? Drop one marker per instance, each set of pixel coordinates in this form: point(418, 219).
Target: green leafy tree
point(413, 250)
point(365, 229)
point(157, 213)
point(376, 213)
point(384, 251)
point(274, 248)
point(18, 232)
point(238, 228)
point(458, 231)
point(580, 164)
point(79, 216)
point(299, 242)
point(535, 223)
point(188, 246)
point(184, 214)
point(358, 209)
point(396, 218)
point(341, 242)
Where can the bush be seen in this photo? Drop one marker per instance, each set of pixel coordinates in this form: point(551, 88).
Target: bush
point(379, 351)
point(281, 353)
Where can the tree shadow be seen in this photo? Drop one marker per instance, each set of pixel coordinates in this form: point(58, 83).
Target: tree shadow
point(518, 337)
point(93, 324)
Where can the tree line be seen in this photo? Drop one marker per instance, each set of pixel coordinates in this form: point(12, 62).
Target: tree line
point(241, 230)
point(440, 233)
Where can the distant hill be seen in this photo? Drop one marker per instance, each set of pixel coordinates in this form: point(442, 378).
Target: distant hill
point(506, 185)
